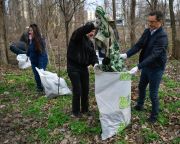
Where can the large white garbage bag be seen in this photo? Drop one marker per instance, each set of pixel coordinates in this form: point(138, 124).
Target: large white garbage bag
point(53, 85)
point(23, 61)
point(113, 96)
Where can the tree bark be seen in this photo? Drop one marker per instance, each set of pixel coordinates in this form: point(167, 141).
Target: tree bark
point(114, 9)
point(67, 33)
point(173, 27)
point(3, 45)
point(68, 9)
point(152, 4)
point(132, 19)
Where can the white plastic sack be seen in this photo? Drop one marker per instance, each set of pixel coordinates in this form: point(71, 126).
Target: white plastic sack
point(53, 85)
point(23, 61)
point(113, 96)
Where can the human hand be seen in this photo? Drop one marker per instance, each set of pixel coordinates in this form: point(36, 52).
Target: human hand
point(134, 70)
point(123, 56)
point(97, 68)
point(30, 36)
point(106, 61)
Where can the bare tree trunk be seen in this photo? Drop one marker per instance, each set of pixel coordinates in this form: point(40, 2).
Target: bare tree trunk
point(152, 4)
point(173, 27)
point(67, 33)
point(114, 9)
point(132, 19)
point(68, 9)
point(3, 45)
point(30, 11)
point(125, 22)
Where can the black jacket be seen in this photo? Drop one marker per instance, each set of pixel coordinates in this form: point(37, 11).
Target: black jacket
point(81, 53)
point(25, 37)
point(153, 49)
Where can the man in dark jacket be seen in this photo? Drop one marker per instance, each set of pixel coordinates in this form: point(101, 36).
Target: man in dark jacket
point(80, 55)
point(20, 47)
point(153, 44)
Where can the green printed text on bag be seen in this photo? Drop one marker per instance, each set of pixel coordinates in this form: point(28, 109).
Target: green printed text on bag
point(125, 76)
point(122, 126)
point(124, 102)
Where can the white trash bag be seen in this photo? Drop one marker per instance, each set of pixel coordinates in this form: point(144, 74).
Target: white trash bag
point(53, 85)
point(23, 61)
point(113, 96)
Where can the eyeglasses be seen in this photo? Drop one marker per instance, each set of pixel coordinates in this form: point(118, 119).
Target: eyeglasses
point(152, 21)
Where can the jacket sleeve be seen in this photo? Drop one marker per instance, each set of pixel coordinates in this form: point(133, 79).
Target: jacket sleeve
point(159, 47)
point(80, 32)
point(138, 45)
point(93, 56)
point(43, 58)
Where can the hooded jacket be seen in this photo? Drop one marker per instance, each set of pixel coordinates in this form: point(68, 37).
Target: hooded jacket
point(81, 53)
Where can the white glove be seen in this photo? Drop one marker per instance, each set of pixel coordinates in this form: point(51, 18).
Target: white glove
point(123, 56)
point(97, 22)
point(134, 70)
point(97, 68)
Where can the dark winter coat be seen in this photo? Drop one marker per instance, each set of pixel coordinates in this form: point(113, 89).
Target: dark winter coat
point(37, 58)
point(81, 53)
point(24, 37)
point(153, 49)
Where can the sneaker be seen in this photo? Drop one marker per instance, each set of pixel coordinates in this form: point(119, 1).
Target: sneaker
point(138, 108)
point(152, 120)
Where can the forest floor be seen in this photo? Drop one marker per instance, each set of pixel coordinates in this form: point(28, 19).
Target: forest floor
point(28, 117)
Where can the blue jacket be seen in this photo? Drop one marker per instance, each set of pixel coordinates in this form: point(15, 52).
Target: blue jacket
point(38, 59)
point(153, 49)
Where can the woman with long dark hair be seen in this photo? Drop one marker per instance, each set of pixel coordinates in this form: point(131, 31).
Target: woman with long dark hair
point(37, 53)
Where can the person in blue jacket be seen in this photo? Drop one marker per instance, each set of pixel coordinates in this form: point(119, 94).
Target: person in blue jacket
point(152, 60)
point(37, 53)
point(80, 55)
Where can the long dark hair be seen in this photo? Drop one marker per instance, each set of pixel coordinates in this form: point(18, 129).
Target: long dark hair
point(37, 38)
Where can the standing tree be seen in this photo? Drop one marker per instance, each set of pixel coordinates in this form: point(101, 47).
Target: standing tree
point(152, 4)
point(173, 27)
point(114, 9)
point(132, 19)
point(3, 46)
point(30, 11)
point(68, 9)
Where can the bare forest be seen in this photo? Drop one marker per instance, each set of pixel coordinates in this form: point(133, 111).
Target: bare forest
point(58, 18)
point(28, 117)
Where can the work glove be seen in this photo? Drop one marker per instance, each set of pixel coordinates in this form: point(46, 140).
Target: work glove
point(123, 56)
point(97, 68)
point(106, 61)
point(134, 70)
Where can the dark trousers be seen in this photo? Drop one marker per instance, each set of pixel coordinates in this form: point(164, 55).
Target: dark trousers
point(36, 75)
point(80, 84)
point(151, 76)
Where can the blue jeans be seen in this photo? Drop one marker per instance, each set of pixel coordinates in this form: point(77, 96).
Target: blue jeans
point(36, 75)
point(151, 76)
